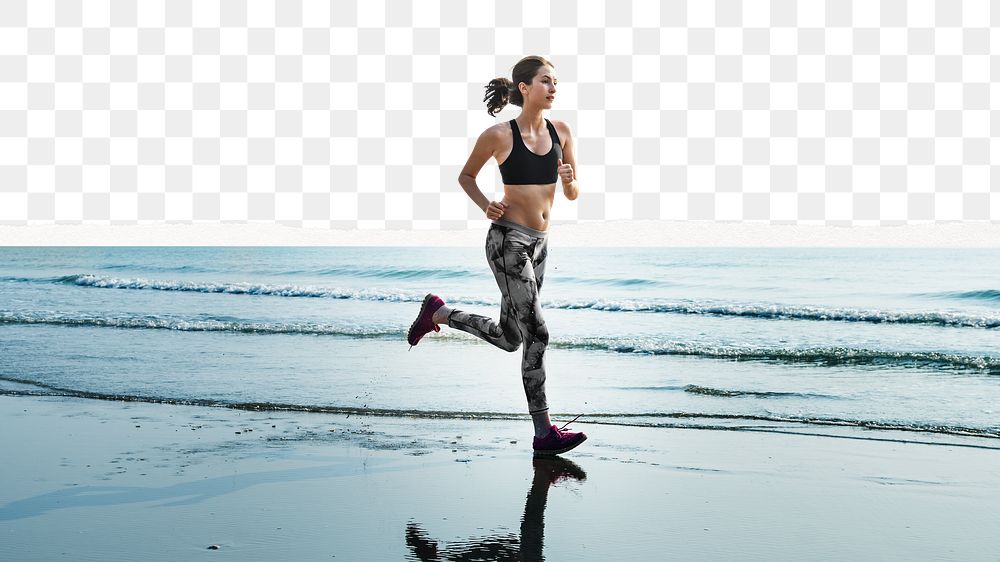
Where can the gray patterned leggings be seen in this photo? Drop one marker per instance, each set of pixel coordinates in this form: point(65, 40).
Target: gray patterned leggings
point(516, 255)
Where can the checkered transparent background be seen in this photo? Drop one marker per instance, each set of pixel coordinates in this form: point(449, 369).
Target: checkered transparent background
point(361, 114)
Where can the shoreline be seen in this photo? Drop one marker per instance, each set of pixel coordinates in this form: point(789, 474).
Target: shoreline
point(639, 233)
point(109, 480)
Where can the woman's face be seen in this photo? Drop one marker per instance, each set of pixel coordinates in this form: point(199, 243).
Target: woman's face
point(542, 90)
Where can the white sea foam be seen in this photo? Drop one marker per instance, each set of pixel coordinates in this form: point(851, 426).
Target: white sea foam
point(652, 305)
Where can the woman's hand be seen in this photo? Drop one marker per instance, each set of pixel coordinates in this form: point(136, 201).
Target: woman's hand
point(495, 209)
point(565, 171)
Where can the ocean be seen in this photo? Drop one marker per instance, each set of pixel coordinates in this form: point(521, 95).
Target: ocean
point(745, 339)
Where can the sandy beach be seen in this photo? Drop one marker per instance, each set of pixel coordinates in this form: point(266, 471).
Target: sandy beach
point(107, 480)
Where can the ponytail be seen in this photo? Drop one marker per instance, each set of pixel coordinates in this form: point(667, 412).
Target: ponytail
point(498, 94)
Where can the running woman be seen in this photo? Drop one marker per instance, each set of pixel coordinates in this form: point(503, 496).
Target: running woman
point(534, 154)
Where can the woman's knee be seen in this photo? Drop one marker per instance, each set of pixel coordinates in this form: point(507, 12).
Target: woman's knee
point(541, 334)
point(509, 340)
point(510, 346)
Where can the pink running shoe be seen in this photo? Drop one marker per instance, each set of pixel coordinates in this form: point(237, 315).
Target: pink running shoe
point(557, 441)
point(425, 320)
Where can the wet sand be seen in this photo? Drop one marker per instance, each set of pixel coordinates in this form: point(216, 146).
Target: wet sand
point(105, 480)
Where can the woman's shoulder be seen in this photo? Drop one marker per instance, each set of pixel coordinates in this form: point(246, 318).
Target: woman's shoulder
point(499, 127)
point(497, 132)
point(562, 128)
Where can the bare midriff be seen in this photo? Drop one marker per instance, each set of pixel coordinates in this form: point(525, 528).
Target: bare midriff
point(529, 204)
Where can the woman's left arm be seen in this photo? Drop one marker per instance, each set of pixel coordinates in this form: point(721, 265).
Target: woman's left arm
point(567, 165)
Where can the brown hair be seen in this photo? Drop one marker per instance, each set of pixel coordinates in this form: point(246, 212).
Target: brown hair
point(502, 90)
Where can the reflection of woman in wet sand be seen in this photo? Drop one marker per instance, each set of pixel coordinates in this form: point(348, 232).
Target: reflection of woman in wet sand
point(534, 154)
point(547, 471)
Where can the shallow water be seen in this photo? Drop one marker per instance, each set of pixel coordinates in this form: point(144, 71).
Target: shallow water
point(738, 338)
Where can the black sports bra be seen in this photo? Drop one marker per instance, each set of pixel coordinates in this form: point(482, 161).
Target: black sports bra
point(525, 167)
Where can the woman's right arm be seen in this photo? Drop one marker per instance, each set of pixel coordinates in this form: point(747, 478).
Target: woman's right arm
point(485, 147)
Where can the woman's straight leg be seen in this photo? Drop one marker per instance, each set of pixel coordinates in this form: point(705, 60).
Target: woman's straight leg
point(536, 333)
point(514, 257)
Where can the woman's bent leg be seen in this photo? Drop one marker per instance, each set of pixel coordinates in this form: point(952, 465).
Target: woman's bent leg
point(504, 334)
